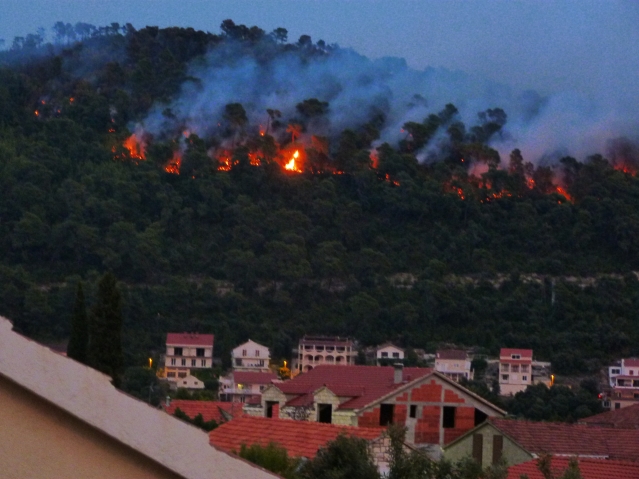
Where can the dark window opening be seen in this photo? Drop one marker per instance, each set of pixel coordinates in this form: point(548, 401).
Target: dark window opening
point(480, 417)
point(478, 448)
point(498, 447)
point(413, 410)
point(199, 352)
point(325, 413)
point(386, 414)
point(449, 417)
point(617, 405)
point(177, 351)
point(269, 408)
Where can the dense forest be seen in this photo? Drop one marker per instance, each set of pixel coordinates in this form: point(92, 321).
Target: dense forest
point(292, 225)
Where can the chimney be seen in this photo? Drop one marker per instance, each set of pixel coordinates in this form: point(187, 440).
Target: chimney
point(399, 373)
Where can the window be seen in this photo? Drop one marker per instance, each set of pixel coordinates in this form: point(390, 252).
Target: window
point(515, 356)
point(515, 368)
point(524, 378)
point(238, 362)
point(413, 410)
point(524, 368)
point(184, 382)
point(449, 417)
point(184, 362)
point(243, 352)
point(325, 413)
point(257, 353)
point(498, 446)
point(177, 351)
point(270, 405)
point(480, 417)
point(203, 363)
point(632, 372)
point(617, 405)
point(193, 362)
point(260, 362)
point(170, 374)
point(478, 448)
point(505, 367)
point(182, 374)
point(199, 352)
point(172, 361)
point(386, 412)
point(615, 371)
point(384, 354)
point(396, 355)
point(504, 377)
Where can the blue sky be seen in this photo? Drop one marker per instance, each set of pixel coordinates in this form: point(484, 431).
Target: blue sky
point(591, 47)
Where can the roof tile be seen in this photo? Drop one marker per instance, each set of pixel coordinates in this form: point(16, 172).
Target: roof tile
point(190, 339)
point(589, 468)
point(624, 418)
point(209, 409)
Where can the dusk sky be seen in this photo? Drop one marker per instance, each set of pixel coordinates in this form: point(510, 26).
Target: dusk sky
point(590, 47)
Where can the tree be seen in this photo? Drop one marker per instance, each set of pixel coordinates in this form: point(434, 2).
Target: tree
point(346, 457)
point(271, 457)
point(105, 330)
point(79, 338)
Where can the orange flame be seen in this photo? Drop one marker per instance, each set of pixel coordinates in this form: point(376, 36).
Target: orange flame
point(173, 166)
point(291, 166)
point(136, 147)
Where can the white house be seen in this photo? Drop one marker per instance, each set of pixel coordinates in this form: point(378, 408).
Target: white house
point(388, 351)
point(185, 352)
point(251, 356)
point(454, 364)
point(515, 370)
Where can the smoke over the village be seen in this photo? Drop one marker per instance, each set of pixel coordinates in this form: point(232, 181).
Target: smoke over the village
point(357, 89)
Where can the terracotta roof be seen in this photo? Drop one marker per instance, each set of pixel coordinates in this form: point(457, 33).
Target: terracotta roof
point(589, 468)
point(299, 438)
point(451, 354)
point(525, 353)
point(363, 384)
point(631, 362)
point(572, 439)
point(190, 339)
point(208, 409)
point(251, 377)
point(624, 418)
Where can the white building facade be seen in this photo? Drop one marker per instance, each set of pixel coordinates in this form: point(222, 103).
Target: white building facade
point(186, 352)
point(251, 356)
point(515, 370)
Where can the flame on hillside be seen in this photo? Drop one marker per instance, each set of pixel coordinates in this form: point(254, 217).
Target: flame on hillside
point(173, 166)
point(292, 163)
point(136, 147)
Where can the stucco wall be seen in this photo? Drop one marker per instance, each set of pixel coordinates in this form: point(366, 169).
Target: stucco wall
point(511, 452)
point(39, 440)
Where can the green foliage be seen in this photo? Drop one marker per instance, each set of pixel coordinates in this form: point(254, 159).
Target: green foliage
point(197, 421)
point(79, 338)
point(271, 457)
point(143, 384)
point(105, 330)
point(345, 457)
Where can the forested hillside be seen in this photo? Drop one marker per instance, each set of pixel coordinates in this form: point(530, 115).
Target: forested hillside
point(276, 222)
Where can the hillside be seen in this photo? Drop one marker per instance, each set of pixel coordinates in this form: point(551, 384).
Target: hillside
point(221, 213)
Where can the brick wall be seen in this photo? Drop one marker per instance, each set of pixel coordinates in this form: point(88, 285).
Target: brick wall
point(427, 426)
point(369, 418)
point(400, 414)
point(430, 392)
point(464, 421)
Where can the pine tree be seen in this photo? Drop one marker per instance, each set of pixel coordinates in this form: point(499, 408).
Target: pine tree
point(105, 330)
point(79, 338)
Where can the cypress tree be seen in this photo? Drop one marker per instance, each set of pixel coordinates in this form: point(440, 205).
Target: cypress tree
point(105, 330)
point(79, 338)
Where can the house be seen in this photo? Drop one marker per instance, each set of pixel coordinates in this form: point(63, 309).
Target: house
point(434, 409)
point(625, 418)
point(186, 352)
point(589, 469)
point(299, 438)
point(515, 370)
point(60, 418)
point(210, 410)
point(520, 441)
point(388, 353)
point(315, 350)
point(454, 364)
point(624, 384)
point(251, 356)
point(245, 386)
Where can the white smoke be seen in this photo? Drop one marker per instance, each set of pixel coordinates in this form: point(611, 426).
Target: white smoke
point(356, 88)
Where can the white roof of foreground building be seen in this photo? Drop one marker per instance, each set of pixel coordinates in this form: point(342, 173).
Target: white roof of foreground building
point(65, 388)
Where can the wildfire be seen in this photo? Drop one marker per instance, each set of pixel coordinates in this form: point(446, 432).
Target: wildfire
point(136, 147)
point(291, 165)
point(563, 192)
point(173, 166)
point(374, 157)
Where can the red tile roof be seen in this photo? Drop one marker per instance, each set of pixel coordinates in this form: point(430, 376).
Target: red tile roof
point(363, 384)
point(451, 354)
point(625, 418)
point(190, 339)
point(572, 439)
point(208, 409)
point(631, 362)
point(249, 377)
point(589, 468)
point(524, 353)
point(299, 438)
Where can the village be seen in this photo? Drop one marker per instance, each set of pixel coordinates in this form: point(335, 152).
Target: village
point(333, 387)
